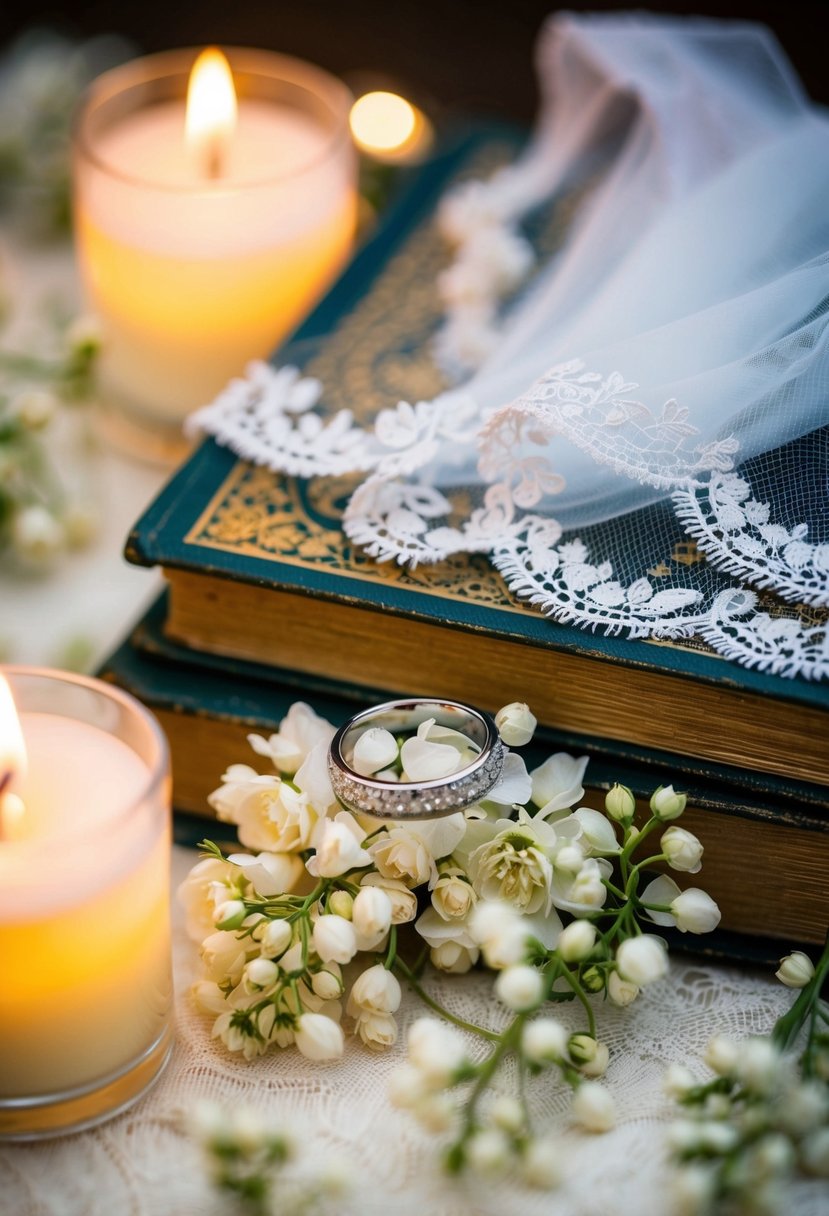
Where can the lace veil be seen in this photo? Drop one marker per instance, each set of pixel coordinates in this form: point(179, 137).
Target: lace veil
point(663, 378)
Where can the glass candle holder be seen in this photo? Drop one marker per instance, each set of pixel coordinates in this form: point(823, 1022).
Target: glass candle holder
point(193, 273)
point(85, 957)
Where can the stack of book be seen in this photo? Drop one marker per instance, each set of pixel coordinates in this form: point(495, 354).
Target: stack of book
point(268, 603)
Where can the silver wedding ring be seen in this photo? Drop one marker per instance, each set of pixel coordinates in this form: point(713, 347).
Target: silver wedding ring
point(416, 799)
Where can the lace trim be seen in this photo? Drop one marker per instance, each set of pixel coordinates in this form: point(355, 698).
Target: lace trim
point(780, 645)
point(737, 535)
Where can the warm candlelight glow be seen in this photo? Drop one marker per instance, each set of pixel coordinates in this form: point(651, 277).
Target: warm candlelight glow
point(210, 119)
point(12, 763)
point(382, 122)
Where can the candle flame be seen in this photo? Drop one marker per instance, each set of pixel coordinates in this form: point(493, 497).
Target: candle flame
point(210, 118)
point(385, 123)
point(12, 762)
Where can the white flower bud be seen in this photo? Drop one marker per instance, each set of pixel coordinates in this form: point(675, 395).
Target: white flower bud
point(757, 1064)
point(621, 992)
point(436, 1050)
point(375, 991)
point(453, 896)
point(377, 1031)
point(620, 803)
point(544, 1041)
point(576, 941)
point(35, 408)
point(327, 985)
point(721, 1055)
point(403, 901)
point(338, 847)
point(814, 1153)
point(453, 957)
point(541, 1165)
point(773, 1155)
point(597, 830)
point(372, 911)
point(435, 1112)
point(334, 939)
point(516, 725)
point(36, 534)
point(498, 929)
point(804, 1107)
point(678, 1080)
point(796, 970)
point(319, 1037)
point(407, 1085)
point(489, 1151)
point(261, 973)
point(592, 1107)
point(570, 858)
point(375, 749)
point(642, 960)
point(340, 903)
point(229, 914)
point(83, 335)
point(582, 1048)
point(718, 1137)
point(667, 804)
point(507, 1113)
point(682, 849)
point(695, 911)
point(597, 1067)
point(520, 987)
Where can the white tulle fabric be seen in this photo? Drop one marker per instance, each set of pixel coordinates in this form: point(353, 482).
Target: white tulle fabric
point(679, 333)
point(141, 1164)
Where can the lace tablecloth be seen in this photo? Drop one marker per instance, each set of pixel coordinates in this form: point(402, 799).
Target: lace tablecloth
point(142, 1164)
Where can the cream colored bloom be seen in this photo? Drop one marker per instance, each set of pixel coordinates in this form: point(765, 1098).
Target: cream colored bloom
point(299, 731)
point(410, 852)
point(338, 847)
point(375, 749)
point(453, 896)
point(520, 987)
point(334, 939)
point(403, 901)
point(268, 813)
point(557, 783)
point(682, 849)
point(378, 1031)
point(372, 912)
point(796, 970)
point(516, 725)
point(621, 992)
point(209, 883)
point(642, 960)
point(269, 873)
point(592, 1107)
point(436, 1050)
point(544, 1041)
point(225, 955)
point(576, 941)
point(375, 991)
point(453, 957)
point(513, 868)
point(328, 984)
point(319, 1037)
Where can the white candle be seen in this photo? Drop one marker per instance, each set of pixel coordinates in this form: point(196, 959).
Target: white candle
point(201, 254)
point(85, 994)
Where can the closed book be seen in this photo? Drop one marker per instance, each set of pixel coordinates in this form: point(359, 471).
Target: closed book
point(764, 863)
point(260, 571)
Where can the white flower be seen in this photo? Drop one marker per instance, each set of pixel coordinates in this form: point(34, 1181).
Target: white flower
point(621, 992)
point(260, 973)
point(803, 1107)
point(507, 1113)
point(299, 732)
point(596, 1066)
point(425, 761)
point(695, 911)
point(375, 991)
point(682, 849)
point(642, 960)
point(516, 725)
point(372, 912)
point(36, 535)
point(667, 804)
point(721, 1055)
point(224, 956)
point(267, 812)
point(378, 1031)
point(541, 1164)
point(208, 997)
point(35, 408)
point(407, 1086)
point(276, 938)
point(327, 984)
point(403, 901)
point(513, 787)
point(209, 881)
point(314, 781)
point(757, 1064)
point(374, 750)
point(489, 1151)
point(319, 1037)
point(544, 1041)
point(453, 896)
point(520, 987)
point(796, 970)
point(453, 957)
point(620, 803)
point(340, 903)
point(557, 783)
point(584, 891)
point(436, 1050)
point(514, 868)
point(409, 852)
point(592, 1107)
point(269, 873)
point(678, 1080)
point(576, 941)
point(334, 939)
point(499, 931)
point(338, 847)
point(597, 831)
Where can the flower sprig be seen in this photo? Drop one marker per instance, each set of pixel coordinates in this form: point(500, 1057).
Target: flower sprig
point(557, 898)
point(763, 1116)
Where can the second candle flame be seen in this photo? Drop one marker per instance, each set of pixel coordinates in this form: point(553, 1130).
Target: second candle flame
point(211, 111)
point(12, 763)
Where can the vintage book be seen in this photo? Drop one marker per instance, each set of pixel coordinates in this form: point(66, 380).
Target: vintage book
point(259, 569)
point(765, 863)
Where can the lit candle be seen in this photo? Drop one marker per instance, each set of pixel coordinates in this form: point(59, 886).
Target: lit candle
point(85, 987)
point(207, 228)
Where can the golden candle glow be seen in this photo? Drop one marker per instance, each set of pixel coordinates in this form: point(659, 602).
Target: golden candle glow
point(388, 127)
point(210, 117)
point(12, 764)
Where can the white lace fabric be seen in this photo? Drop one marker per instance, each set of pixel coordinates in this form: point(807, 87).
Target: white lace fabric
point(140, 1163)
point(679, 334)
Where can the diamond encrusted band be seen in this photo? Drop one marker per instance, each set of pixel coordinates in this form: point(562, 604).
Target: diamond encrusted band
point(421, 799)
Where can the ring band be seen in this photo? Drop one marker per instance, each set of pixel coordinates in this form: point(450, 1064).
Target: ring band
point(417, 799)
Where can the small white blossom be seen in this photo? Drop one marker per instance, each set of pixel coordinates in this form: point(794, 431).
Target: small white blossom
point(576, 941)
point(682, 849)
point(327, 984)
point(620, 803)
point(407, 1086)
point(403, 900)
point(592, 1107)
point(513, 867)
point(642, 960)
point(667, 804)
point(224, 957)
point(520, 987)
point(721, 1055)
point(276, 938)
point(453, 896)
point(557, 783)
point(334, 939)
point(621, 992)
point(299, 731)
point(516, 725)
point(695, 911)
point(694, 1189)
point(489, 1151)
point(796, 970)
point(375, 749)
point(582, 1048)
point(269, 814)
point(35, 408)
point(375, 991)
point(229, 914)
point(597, 1067)
point(454, 957)
point(541, 1165)
point(269, 873)
point(261, 973)
point(338, 847)
point(409, 852)
point(372, 912)
point(499, 931)
point(436, 1050)
point(598, 831)
point(757, 1065)
point(507, 1113)
point(340, 903)
point(377, 1031)
point(678, 1080)
point(544, 1041)
point(436, 1112)
point(36, 535)
point(210, 881)
point(319, 1037)
point(814, 1153)
point(804, 1107)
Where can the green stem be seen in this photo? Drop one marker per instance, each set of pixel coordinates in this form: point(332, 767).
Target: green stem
point(391, 953)
point(506, 1041)
point(579, 991)
point(787, 1028)
point(409, 976)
